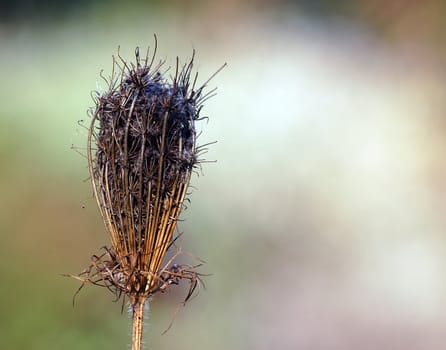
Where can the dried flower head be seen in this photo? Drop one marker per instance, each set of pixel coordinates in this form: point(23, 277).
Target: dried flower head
point(142, 151)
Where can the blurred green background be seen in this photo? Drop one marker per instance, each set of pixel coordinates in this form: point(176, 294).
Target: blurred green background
point(323, 220)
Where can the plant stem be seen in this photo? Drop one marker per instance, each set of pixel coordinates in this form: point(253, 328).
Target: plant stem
point(137, 324)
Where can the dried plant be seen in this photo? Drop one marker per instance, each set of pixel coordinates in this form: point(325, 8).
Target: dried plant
point(142, 151)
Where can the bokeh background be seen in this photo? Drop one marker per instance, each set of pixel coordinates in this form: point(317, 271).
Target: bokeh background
point(322, 221)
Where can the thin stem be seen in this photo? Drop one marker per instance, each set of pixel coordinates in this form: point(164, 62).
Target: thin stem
point(137, 324)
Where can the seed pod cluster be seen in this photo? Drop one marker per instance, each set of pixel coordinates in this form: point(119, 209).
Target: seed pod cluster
point(141, 152)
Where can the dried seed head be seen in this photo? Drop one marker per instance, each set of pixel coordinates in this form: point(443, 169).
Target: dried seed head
point(141, 152)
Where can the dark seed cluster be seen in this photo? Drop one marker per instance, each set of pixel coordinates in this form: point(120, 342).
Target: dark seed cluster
point(142, 151)
point(145, 147)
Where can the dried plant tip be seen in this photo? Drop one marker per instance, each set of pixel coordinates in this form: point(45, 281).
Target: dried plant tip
point(141, 152)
